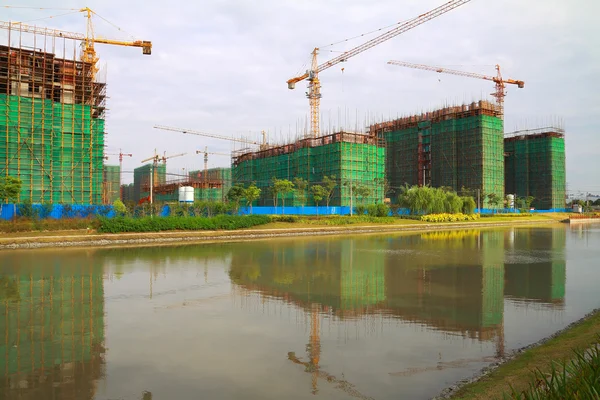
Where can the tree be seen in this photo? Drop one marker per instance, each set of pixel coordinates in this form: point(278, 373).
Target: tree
point(283, 187)
point(119, 208)
point(318, 193)
point(329, 184)
point(493, 200)
point(362, 191)
point(251, 193)
point(9, 190)
point(235, 195)
point(301, 184)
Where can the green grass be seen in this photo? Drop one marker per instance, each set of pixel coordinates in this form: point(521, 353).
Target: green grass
point(159, 224)
point(516, 375)
point(578, 378)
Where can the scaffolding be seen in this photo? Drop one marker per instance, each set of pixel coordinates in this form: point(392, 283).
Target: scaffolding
point(212, 186)
point(352, 158)
point(535, 166)
point(52, 120)
point(454, 147)
point(111, 182)
point(53, 330)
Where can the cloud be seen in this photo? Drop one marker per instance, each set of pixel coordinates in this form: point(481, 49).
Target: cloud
point(221, 66)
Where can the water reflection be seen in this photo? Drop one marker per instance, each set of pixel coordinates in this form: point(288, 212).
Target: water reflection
point(53, 325)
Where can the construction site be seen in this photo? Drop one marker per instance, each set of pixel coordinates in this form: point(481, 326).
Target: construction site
point(52, 117)
point(350, 159)
point(535, 166)
point(456, 147)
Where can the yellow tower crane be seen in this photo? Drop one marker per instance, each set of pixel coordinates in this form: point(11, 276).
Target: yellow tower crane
point(263, 146)
point(499, 94)
point(312, 75)
point(88, 52)
point(206, 153)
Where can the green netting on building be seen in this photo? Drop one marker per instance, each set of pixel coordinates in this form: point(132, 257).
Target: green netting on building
point(50, 320)
point(142, 179)
point(112, 181)
point(460, 152)
point(535, 166)
point(55, 149)
point(220, 176)
point(128, 195)
point(352, 164)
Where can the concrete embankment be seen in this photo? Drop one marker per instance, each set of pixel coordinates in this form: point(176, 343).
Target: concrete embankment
point(179, 237)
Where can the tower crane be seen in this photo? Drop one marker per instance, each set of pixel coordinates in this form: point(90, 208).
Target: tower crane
point(206, 153)
point(499, 94)
point(88, 52)
point(121, 155)
point(312, 75)
point(264, 145)
point(156, 158)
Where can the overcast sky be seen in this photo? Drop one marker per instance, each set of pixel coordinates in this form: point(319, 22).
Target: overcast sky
point(222, 66)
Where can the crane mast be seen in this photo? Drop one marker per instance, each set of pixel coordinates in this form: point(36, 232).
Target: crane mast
point(312, 75)
point(500, 82)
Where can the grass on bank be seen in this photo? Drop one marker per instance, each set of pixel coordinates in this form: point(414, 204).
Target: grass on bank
point(514, 378)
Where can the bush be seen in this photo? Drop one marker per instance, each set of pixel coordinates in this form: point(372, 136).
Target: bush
point(468, 205)
point(372, 210)
point(158, 224)
point(26, 209)
point(383, 210)
point(284, 218)
point(449, 217)
point(30, 225)
point(360, 210)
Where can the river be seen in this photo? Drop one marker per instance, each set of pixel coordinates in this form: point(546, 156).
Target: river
point(395, 316)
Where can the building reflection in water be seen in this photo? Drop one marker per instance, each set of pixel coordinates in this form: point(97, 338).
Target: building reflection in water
point(536, 267)
point(52, 321)
point(451, 281)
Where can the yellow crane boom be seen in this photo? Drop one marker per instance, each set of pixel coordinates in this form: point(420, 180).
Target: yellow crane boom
point(210, 135)
point(500, 82)
point(88, 39)
point(312, 75)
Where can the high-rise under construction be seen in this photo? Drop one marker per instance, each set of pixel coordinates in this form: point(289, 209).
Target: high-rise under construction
point(51, 121)
point(456, 147)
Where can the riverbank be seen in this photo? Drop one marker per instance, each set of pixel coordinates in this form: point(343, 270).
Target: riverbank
point(516, 370)
point(91, 238)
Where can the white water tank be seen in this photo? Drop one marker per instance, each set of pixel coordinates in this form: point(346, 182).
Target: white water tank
point(181, 194)
point(510, 200)
point(188, 196)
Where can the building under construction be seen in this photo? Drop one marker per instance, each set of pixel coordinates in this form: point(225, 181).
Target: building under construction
point(210, 185)
point(535, 166)
point(352, 159)
point(452, 147)
point(111, 184)
point(51, 120)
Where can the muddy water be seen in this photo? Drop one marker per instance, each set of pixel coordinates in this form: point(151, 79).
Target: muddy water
point(369, 317)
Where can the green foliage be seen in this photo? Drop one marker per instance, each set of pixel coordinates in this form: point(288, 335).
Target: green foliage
point(372, 210)
point(494, 200)
point(383, 210)
point(578, 378)
point(235, 195)
point(119, 207)
point(449, 217)
point(362, 191)
point(329, 183)
point(284, 218)
point(148, 224)
point(282, 187)
point(468, 205)
point(318, 193)
point(360, 209)
point(26, 210)
point(301, 185)
point(251, 193)
point(9, 188)
point(428, 200)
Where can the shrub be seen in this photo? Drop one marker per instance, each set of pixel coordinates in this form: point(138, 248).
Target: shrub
point(449, 217)
point(372, 210)
point(120, 208)
point(383, 210)
point(468, 205)
point(158, 224)
point(284, 218)
point(360, 210)
point(27, 210)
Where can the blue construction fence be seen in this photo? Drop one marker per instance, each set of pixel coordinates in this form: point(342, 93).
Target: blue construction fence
point(58, 211)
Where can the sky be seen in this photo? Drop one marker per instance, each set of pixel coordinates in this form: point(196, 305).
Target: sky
point(222, 66)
